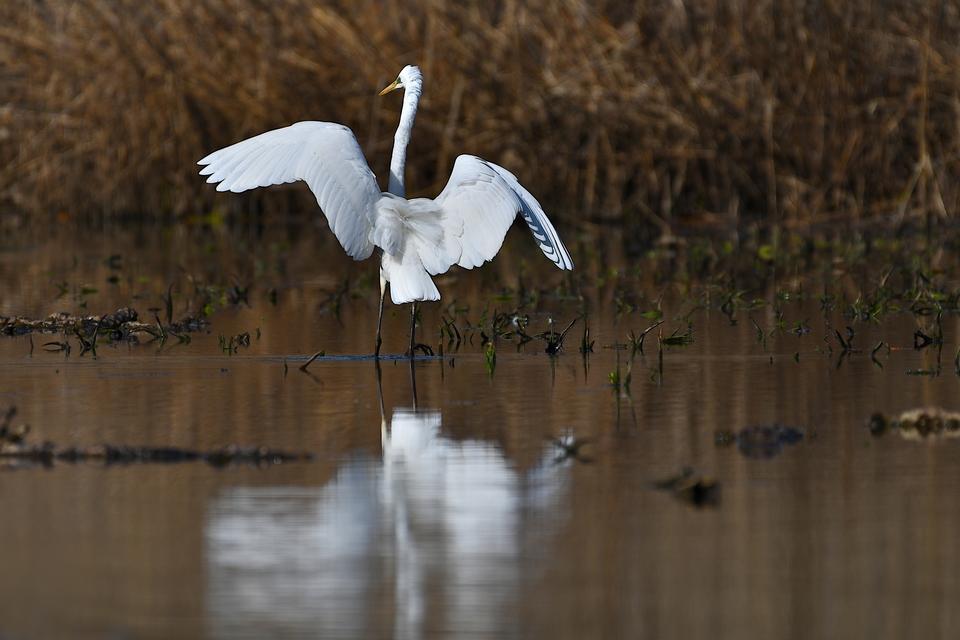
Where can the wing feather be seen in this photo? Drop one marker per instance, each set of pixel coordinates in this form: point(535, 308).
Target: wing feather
point(479, 203)
point(543, 232)
point(326, 156)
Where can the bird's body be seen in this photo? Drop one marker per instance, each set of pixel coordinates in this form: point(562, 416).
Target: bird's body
point(419, 238)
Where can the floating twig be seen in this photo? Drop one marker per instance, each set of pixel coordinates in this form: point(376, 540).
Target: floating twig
point(303, 367)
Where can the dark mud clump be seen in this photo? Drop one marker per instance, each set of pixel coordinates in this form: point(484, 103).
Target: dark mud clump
point(700, 491)
point(762, 441)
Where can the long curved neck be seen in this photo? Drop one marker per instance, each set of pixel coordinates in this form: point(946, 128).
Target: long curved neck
point(398, 162)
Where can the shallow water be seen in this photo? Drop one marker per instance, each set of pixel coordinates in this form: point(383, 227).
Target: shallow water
point(452, 512)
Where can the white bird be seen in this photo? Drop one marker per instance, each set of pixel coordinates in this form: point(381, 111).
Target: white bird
point(464, 225)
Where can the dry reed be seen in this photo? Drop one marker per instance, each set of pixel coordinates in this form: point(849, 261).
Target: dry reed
point(665, 112)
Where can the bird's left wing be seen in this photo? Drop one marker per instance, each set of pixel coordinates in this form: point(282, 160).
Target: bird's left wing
point(326, 156)
point(480, 203)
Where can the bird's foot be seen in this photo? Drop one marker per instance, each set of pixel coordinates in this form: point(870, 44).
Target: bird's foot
point(427, 351)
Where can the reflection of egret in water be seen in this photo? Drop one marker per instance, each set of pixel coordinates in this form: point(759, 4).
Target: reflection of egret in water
point(437, 536)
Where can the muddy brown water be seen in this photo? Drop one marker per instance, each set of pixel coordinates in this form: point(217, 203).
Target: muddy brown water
point(453, 513)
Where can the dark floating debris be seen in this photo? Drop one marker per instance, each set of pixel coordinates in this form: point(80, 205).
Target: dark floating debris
point(122, 324)
point(47, 454)
point(700, 491)
point(930, 422)
point(116, 320)
point(238, 294)
point(16, 453)
point(762, 441)
point(8, 433)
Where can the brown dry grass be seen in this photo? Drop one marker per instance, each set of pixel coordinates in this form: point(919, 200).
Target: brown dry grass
point(659, 112)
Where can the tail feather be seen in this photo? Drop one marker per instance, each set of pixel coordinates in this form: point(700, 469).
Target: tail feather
point(408, 280)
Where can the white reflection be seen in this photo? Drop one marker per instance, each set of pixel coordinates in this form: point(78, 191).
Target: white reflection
point(441, 531)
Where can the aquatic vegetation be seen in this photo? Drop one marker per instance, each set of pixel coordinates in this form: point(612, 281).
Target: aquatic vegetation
point(636, 342)
point(231, 344)
point(490, 353)
point(800, 327)
point(761, 336)
point(554, 340)
point(505, 327)
point(620, 383)
point(586, 344)
point(450, 329)
point(845, 342)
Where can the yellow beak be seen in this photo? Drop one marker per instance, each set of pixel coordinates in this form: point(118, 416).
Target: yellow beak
point(391, 87)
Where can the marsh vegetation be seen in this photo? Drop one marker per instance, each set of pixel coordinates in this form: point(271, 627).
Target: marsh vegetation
point(657, 114)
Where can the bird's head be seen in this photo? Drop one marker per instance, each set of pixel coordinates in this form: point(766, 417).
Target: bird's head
point(409, 78)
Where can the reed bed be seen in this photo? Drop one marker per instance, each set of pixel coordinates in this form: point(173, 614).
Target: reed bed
point(661, 114)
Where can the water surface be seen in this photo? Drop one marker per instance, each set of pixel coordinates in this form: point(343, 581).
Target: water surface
point(449, 510)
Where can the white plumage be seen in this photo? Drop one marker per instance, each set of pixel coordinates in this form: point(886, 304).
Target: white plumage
point(464, 225)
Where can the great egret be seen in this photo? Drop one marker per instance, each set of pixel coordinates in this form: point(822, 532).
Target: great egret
point(464, 225)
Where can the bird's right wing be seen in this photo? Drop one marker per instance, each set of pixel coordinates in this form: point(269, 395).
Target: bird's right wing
point(326, 156)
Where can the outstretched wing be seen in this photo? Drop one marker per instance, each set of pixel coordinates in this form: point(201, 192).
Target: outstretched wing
point(326, 156)
point(480, 203)
point(543, 232)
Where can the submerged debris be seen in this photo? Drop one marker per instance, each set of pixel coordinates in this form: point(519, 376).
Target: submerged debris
point(21, 455)
point(700, 491)
point(121, 324)
point(917, 423)
point(762, 441)
point(16, 453)
point(116, 320)
point(20, 325)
